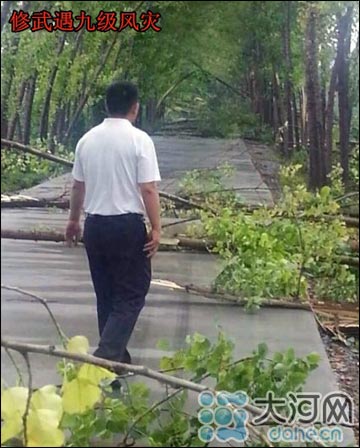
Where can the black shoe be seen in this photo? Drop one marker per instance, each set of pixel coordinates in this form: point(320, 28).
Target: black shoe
point(126, 358)
point(116, 385)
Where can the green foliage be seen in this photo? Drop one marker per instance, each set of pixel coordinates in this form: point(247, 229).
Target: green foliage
point(354, 168)
point(276, 252)
point(20, 171)
point(59, 419)
point(205, 181)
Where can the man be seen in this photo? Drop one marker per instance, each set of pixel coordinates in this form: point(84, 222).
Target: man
point(115, 174)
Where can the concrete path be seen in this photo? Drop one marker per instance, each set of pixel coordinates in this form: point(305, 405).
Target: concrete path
point(177, 156)
point(61, 275)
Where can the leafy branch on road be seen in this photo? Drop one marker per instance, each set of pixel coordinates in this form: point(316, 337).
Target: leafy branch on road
point(83, 408)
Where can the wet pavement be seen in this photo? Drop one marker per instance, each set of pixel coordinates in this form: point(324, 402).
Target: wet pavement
point(60, 274)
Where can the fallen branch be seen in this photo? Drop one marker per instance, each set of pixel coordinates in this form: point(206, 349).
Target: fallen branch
point(68, 163)
point(210, 294)
point(165, 245)
point(350, 221)
point(182, 221)
point(186, 202)
point(41, 203)
point(116, 367)
point(35, 152)
point(17, 368)
point(30, 391)
point(43, 302)
point(168, 398)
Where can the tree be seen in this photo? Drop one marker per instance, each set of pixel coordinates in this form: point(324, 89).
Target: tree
point(344, 25)
point(317, 175)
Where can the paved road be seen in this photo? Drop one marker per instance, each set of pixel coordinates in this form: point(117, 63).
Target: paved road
point(178, 156)
point(61, 275)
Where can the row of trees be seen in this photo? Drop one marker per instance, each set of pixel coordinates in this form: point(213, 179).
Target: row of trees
point(294, 65)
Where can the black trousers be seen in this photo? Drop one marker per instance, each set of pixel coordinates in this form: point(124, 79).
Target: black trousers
point(121, 274)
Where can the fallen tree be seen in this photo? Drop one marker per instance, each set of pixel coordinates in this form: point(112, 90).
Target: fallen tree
point(35, 203)
point(35, 152)
point(222, 296)
point(185, 202)
point(350, 221)
point(68, 163)
point(167, 244)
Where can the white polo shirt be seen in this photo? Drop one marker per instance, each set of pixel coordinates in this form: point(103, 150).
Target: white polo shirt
point(112, 159)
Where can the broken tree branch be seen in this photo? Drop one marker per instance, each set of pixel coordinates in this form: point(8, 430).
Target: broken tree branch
point(116, 367)
point(169, 244)
point(270, 303)
point(17, 368)
point(34, 203)
point(169, 397)
point(43, 302)
point(25, 355)
point(35, 152)
point(45, 155)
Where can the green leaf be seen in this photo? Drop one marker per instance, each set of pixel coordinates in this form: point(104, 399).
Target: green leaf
point(279, 369)
point(13, 405)
point(13, 401)
point(278, 357)
point(43, 429)
point(262, 350)
point(325, 192)
point(78, 344)
point(11, 428)
point(297, 378)
point(47, 398)
point(79, 395)
point(313, 359)
point(290, 356)
point(94, 374)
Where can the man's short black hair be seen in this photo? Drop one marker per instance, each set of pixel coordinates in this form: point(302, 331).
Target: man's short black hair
point(120, 97)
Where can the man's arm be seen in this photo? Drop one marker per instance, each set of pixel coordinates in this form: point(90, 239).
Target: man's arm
point(73, 229)
point(151, 199)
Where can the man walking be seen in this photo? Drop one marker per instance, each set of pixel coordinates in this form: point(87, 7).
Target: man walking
point(115, 174)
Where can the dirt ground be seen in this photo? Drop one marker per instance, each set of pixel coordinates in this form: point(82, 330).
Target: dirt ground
point(344, 360)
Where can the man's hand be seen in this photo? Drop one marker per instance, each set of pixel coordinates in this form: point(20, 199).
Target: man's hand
point(72, 233)
point(153, 244)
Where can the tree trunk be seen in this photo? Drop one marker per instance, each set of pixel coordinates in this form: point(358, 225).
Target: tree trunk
point(343, 89)
point(44, 120)
point(317, 169)
point(289, 128)
point(151, 114)
point(14, 119)
point(304, 119)
point(60, 123)
point(29, 99)
point(329, 116)
point(278, 111)
point(52, 133)
point(296, 121)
